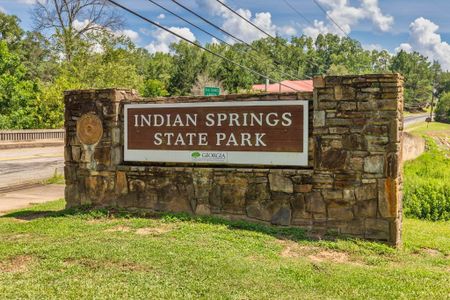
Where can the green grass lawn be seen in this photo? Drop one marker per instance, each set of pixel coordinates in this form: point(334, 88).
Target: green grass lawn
point(433, 128)
point(49, 253)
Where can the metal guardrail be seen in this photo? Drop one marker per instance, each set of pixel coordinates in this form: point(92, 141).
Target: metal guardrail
point(31, 135)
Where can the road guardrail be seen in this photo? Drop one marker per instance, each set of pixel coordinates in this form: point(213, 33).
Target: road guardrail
point(31, 135)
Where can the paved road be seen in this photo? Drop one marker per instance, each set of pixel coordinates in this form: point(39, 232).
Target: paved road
point(413, 119)
point(29, 164)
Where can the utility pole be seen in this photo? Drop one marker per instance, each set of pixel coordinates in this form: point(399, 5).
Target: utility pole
point(433, 95)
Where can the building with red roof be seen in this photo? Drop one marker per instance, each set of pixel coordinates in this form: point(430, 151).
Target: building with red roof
point(286, 86)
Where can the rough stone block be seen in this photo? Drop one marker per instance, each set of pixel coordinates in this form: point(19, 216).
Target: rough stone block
point(282, 217)
point(303, 188)
point(315, 203)
point(377, 229)
point(366, 192)
point(341, 212)
point(374, 164)
point(319, 118)
point(280, 183)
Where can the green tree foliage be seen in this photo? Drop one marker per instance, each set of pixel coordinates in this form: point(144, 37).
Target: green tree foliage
point(10, 31)
point(154, 88)
point(443, 108)
point(18, 95)
point(418, 77)
point(188, 63)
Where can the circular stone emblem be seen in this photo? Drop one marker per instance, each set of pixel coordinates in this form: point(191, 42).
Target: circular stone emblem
point(89, 129)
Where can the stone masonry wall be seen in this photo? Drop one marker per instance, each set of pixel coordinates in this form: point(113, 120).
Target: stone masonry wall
point(352, 185)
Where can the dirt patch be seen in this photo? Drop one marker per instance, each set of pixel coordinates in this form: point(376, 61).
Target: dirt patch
point(163, 228)
point(99, 221)
point(431, 252)
point(330, 256)
point(292, 249)
point(101, 264)
point(119, 228)
point(315, 254)
point(16, 264)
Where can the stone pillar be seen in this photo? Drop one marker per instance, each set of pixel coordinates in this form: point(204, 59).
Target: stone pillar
point(93, 144)
point(357, 131)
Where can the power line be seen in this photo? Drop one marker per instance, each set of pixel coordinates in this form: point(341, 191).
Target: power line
point(232, 36)
point(326, 13)
point(208, 33)
point(254, 25)
point(212, 24)
point(189, 22)
point(298, 12)
point(197, 45)
point(245, 19)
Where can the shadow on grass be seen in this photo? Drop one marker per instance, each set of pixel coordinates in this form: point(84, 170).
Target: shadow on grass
point(88, 212)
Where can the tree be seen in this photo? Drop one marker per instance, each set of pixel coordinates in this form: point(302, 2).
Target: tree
point(154, 88)
point(418, 77)
point(442, 112)
point(188, 62)
point(18, 96)
point(10, 31)
point(71, 20)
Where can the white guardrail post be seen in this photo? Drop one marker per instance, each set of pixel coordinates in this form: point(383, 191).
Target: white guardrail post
point(31, 135)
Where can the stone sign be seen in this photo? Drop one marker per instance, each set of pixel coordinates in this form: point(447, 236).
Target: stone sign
point(245, 132)
point(327, 161)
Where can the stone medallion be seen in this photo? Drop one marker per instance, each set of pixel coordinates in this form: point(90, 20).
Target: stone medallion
point(89, 129)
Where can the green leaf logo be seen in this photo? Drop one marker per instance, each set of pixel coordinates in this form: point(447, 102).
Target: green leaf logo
point(195, 154)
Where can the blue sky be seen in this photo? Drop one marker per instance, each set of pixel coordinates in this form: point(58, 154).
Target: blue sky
point(417, 25)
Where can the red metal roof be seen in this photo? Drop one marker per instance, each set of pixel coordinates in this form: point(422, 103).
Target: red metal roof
point(288, 86)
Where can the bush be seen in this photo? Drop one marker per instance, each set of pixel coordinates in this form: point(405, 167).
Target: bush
point(443, 108)
point(427, 185)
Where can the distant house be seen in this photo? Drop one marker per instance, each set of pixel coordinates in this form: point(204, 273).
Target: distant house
point(286, 86)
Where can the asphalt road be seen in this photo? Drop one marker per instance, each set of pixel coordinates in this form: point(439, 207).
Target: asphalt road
point(413, 119)
point(18, 166)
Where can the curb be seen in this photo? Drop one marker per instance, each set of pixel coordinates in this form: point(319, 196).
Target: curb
point(33, 144)
point(20, 186)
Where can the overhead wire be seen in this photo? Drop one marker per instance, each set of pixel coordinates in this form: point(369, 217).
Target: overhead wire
point(298, 12)
point(189, 22)
point(331, 19)
point(256, 26)
point(232, 36)
point(245, 19)
point(197, 45)
point(211, 34)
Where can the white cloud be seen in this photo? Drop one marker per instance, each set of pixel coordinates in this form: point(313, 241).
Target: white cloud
point(347, 16)
point(287, 30)
point(425, 40)
point(239, 27)
point(245, 31)
point(29, 2)
point(163, 39)
point(131, 34)
point(214, 41)
point(161, 16)
point(80, 25)
point(2, 10)
point(371, 47)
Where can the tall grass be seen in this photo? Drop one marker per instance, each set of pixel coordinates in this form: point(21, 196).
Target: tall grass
point(427, 185)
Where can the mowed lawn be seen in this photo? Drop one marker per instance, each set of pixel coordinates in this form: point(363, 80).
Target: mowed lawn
point(49, 253)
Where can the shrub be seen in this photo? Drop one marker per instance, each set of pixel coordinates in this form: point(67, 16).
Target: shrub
point(427, 185)
point(443, 108)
